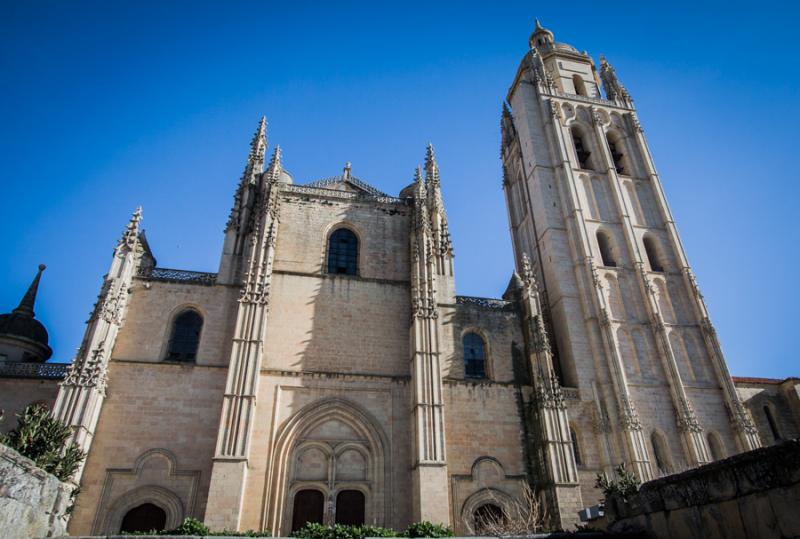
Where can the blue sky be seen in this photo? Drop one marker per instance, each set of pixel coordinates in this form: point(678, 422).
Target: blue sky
point(110, 105)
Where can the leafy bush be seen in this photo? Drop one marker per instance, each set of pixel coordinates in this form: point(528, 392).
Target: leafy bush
point(427, 529)
point(624, 483)
point(313, 530)
point(192, 526)
point(43, 439)
point(339, 531)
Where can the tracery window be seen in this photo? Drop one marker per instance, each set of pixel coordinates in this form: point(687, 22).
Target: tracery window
point(343, 252)
point(185, 337)
point(474, 356)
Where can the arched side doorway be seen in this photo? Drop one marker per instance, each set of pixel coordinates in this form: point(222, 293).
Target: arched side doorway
point(144, 518)
point(350, 505)
point(309, 506)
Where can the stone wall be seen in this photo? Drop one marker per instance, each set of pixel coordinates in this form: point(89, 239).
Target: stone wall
point(32, 502)
point(751, 495)
point(17, 393)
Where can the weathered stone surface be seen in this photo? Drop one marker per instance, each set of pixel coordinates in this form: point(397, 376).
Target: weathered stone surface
point(32, 501)
point(752, 495)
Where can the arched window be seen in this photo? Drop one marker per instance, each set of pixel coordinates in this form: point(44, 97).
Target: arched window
point(652, 254)
point(576, 449)
point(474, 356)
point(309, 506)
point(580, 86)
point(606, 252)
point(185, 336)
point(488, 517)
point(343, 252)
point(715, 446)
point(144, 518)
point(773, 426)
point(350, 508)
point(661, 453)
point(580, 150)
point(614, 147)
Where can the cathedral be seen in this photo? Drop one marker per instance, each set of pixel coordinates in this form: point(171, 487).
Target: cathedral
point(329, 372)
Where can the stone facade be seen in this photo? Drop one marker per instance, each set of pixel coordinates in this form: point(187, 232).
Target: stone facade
point(774, 405)
point(329, 371)
point(33, 503)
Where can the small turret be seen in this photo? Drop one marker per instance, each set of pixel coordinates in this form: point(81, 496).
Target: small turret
point(541, 38)
point(22, 337)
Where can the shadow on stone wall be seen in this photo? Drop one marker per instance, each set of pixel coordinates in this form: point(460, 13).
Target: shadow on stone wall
point(751, 495)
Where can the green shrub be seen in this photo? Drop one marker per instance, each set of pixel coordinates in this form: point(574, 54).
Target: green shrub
point(624, 483)
point(192, 526)
point(339, 531)
point(427, 529)
point(43, 439)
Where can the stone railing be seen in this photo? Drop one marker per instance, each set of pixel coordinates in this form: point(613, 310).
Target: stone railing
point(178, 276)
point(347, 195)
point(586, 99)
point(486, 303)
point(47, 371)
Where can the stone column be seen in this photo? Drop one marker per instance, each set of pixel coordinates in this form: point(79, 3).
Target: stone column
point(83, 390)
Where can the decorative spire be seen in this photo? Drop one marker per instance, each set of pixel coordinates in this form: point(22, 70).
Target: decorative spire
point(431, 168)
point(614, 90)
point(255, 159)
point(527, 271)
point(275, 164)
point(346, 170)
point(538, 25)
point(418, 175)
point(541, 37)
point(131, 233)
point(25, 307)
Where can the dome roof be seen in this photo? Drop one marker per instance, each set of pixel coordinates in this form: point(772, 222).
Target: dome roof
point(20, 324)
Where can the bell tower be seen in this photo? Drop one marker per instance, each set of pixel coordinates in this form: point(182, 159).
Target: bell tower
point(627, 318)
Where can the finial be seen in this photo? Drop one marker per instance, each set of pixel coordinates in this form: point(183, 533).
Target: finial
point(539, 25)
point(527, 272)
point(418, 174)
point(431, 168)
point(347, 168)
point(275, 160)
point(25, 307)
point(131, 233)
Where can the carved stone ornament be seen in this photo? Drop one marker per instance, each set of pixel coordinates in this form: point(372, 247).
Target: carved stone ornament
point(598, 283)
point(601, 422)
point(708, 327)
point(527, 272)
point(742, 420)
point(91, 372)
point(597, 118)
point(630, 418)
point(112, 307)
point(636, 124)
point(693, 281)
point(555, 109)
point(687, 420)
point(541, 343)
point(604, 318)
point(550, 395)
point(646, 279)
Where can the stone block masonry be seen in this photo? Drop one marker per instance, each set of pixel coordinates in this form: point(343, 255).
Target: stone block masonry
point(33, 502)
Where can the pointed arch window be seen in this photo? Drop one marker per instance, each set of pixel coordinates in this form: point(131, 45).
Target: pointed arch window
point(185, 336)
point(576, 448)
point(580, 150)
point(652, 254)
point(614, 148)
point(715, 446)
point(606, 250)
point(343, 252)
point(474, 356)
point(661, 453)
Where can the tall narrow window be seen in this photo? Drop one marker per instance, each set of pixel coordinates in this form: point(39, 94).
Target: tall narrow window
point(343, 252)
point(185, 336)
point(773, 426)
point(661, 452)
point(652, 254)
point(580, 150)
point(606, 252)
point(474, 356)
point(580, 86)
point(616, 155)
point(576, 449)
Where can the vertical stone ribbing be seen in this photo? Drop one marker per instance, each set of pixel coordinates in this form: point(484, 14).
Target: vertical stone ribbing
point(83, 390)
